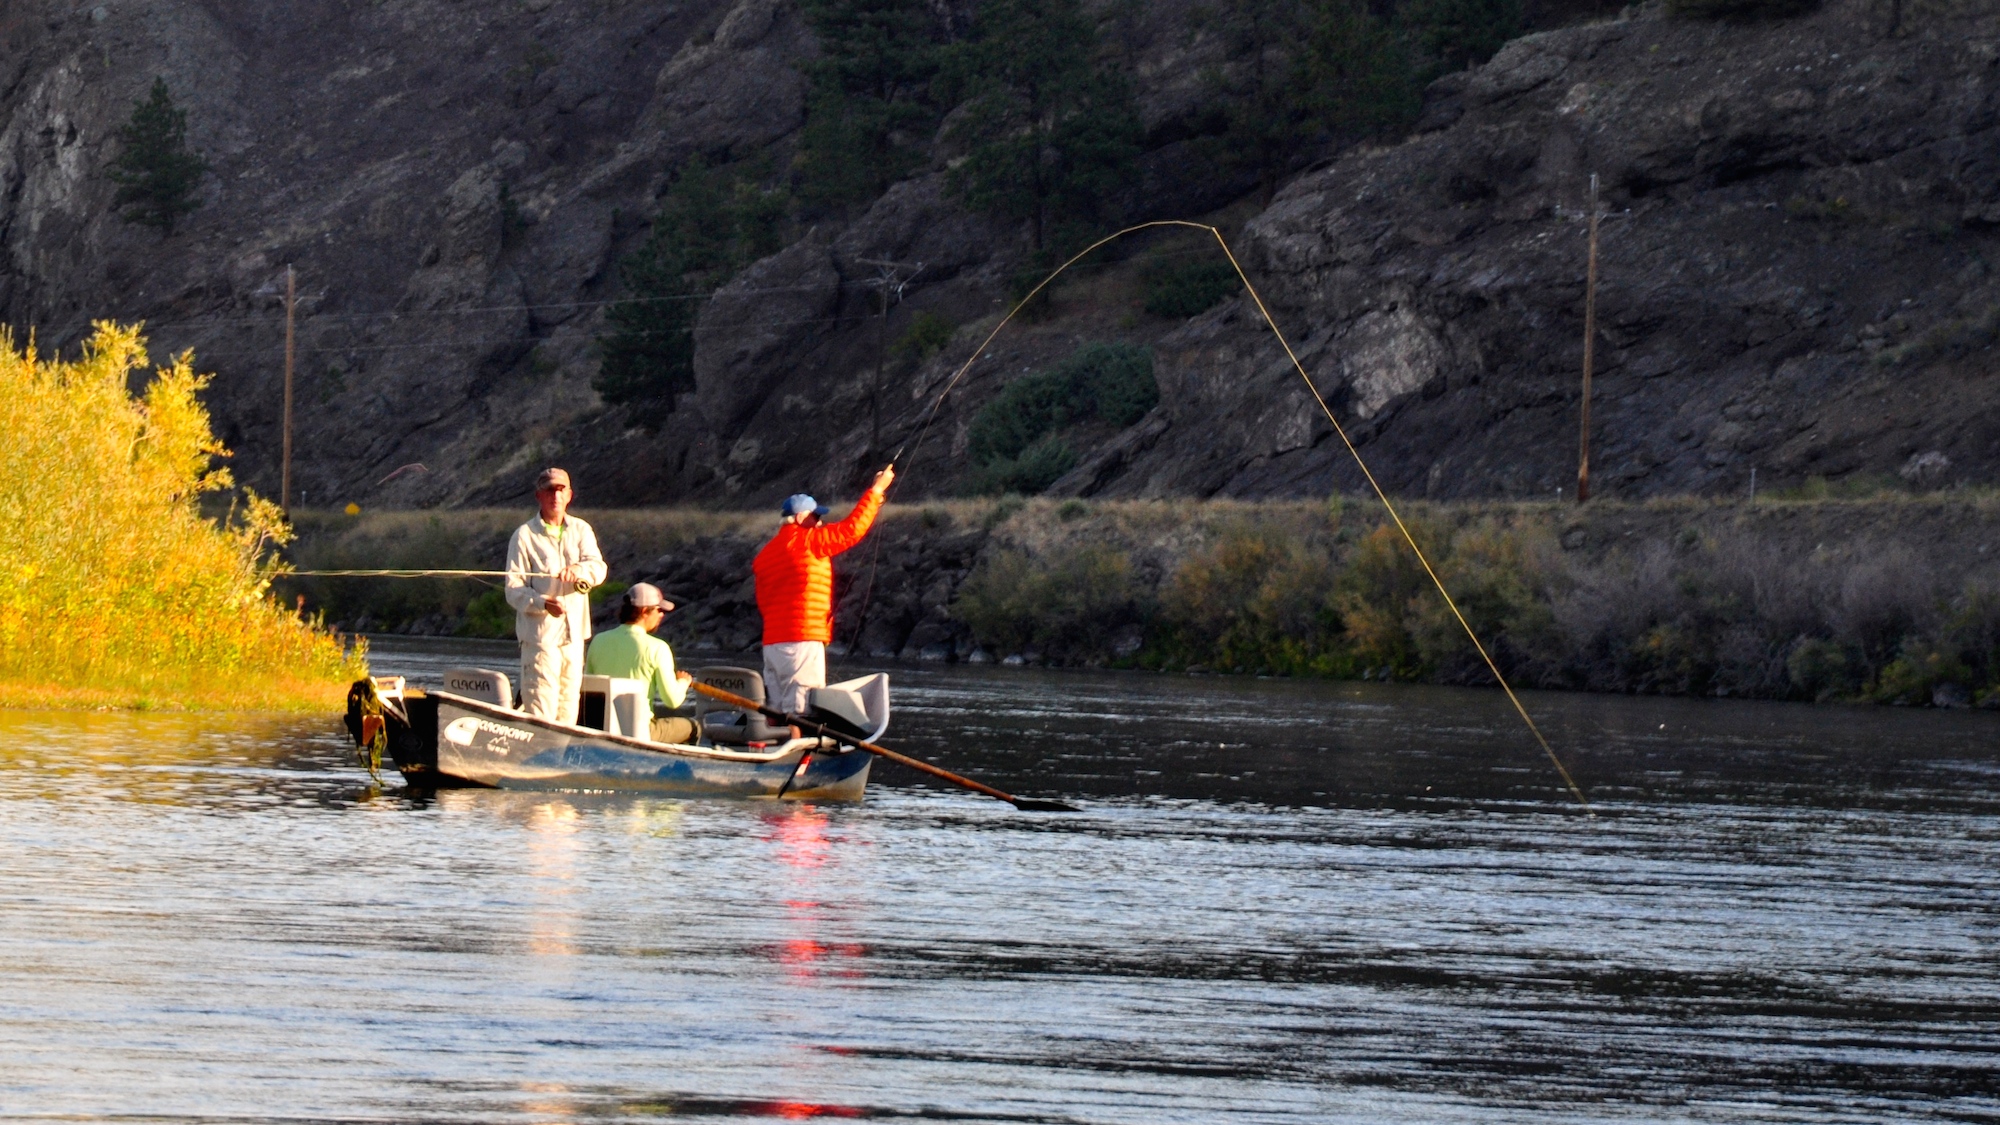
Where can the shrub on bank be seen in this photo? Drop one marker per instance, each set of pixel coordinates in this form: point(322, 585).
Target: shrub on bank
point(1954, 660)
point(1062, 606)
point(114, 588)
point(487, 615)
point(1258, 599)
point(1272, 590)
point(1025, 474)
point(1178, 289)
point(422, 542)
point(1505, 580)
point(1016, 440)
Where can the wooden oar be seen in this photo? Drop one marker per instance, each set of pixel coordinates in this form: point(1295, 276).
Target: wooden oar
point(1026, 804)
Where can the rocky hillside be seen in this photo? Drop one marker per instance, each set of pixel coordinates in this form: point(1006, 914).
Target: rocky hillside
point(1796, 277)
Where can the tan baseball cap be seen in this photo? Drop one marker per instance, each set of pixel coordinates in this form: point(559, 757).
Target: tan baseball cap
point(551, 476)
point(645, 594)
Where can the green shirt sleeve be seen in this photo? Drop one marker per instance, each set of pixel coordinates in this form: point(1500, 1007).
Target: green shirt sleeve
point(666, 685)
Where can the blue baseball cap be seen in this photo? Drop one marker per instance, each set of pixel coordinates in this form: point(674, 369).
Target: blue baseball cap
point(798, 504)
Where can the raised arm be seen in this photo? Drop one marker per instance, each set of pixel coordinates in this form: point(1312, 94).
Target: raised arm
point(831, 539)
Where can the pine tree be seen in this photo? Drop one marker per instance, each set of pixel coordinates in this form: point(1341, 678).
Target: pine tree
point(1354, 75)
point(1461, 33)
point(648, 357)
point(1049, 129)
point(868, 115)
point(709, 226)
point(1304, 73)
point(156, 174)
point(1262, 127)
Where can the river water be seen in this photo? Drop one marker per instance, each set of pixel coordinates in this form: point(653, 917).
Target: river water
point(1283, 902)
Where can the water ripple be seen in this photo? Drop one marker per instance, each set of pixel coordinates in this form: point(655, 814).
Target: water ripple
point(1282, 903)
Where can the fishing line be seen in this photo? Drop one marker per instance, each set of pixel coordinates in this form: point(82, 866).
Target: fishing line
point(1380, 494)
point(404, 574)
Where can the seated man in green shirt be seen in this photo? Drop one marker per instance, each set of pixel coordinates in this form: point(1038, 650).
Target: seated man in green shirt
point(631, 652)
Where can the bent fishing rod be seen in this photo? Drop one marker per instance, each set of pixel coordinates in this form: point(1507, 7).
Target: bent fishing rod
point(1025, 804)
point(911, 446)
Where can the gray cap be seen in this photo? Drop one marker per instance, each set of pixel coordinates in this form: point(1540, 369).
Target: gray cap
point(645, 594)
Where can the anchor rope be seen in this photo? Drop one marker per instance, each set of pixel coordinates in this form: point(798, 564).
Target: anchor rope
point(1270, 322)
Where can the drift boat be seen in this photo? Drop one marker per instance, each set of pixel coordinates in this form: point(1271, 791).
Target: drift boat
point(470, 735)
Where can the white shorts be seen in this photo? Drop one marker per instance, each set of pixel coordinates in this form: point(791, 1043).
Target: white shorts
point(790, 669)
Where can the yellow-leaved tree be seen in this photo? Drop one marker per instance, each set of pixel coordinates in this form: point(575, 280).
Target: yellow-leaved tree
point(114, 588)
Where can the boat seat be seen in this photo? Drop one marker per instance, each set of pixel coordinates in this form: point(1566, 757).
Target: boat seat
point(614, 705)
point(723, 724)
point(482, 684)
point(858, 707)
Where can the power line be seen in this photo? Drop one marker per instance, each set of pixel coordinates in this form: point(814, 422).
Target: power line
point(868, 283)
point(204, 355)
point(399, 314)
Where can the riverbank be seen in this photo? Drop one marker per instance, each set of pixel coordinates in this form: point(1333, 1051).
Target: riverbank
point(316, 695)
point(1892, 598)
point(119, 588)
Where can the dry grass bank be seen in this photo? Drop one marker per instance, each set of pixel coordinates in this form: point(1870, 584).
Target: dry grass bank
point(1891, 597)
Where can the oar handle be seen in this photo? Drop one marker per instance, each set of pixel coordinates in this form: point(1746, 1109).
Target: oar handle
point(823, 731)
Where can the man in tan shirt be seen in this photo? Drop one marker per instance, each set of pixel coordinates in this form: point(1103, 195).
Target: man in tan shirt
point(552, 562)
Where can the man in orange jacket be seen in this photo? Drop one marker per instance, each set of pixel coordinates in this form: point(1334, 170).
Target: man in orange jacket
point(795, 590)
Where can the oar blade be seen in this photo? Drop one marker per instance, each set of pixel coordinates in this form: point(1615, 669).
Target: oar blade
point(1033, 804)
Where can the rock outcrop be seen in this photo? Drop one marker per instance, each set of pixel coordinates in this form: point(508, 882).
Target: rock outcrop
point(1796, 276)
point(1797, 265)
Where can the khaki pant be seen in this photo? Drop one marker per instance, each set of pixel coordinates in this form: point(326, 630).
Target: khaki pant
point(790, 670)
point(552, 679)
point(674, 729)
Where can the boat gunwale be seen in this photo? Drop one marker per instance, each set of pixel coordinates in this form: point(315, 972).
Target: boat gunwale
point(671, 749)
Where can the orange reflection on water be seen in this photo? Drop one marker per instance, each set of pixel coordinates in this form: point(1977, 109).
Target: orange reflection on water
point(801, 837)
point(797, 1111)
point(802, 844)
point(805, 957)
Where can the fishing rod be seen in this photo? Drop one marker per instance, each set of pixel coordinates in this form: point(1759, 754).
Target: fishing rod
point(913, 445)
point(1025, 804)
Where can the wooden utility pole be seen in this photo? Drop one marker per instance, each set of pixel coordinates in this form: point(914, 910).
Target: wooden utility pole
point(285, 475)
point(1589, 350)
point(890, 276)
